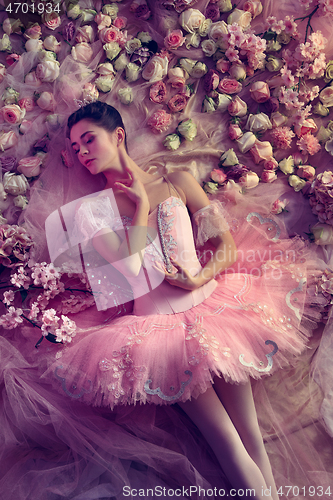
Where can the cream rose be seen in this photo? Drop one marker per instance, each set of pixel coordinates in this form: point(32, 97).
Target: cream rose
point(191, 20)
point(30, 166)
point(102, 20)
point(249, 180)
point(125, 95)
point(33, 45)
point(241, 17)
point(246, 142)
point(320, 109)
point(20, 201)
point(112, 49)
point(132, 72)
point(261, 151)
point(132, 45)
point(229, 158)
point(192, 40)
point(287, 165)
point(105, 69)
point(82, 52)
point(46, 101)
point(48, 71)
point(156, 69)
point(323, 234)
point(121, 62)
point(224, 5)
point(258, 123)
point(296, 182)
point(277, 119)
point(205, 27)
point(11, 96)
point(238, 71)
point(326, 96)
point(223, 101)
point(187, 64)
point(209, 47)
point(323, 134)
point(111, 10)
point(105, 82)
point(74, 11)
point(2, 72)
point(217, 30)
point(199, 70)
point(51, 43)
point(187, 129)
point(32, 79)
point(172, 142)
point(15, 184)
point(5, 43)
point(274, 63)
point(144, 37)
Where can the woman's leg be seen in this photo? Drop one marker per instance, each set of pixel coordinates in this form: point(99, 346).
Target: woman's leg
point(238, 402)
point(210, 416)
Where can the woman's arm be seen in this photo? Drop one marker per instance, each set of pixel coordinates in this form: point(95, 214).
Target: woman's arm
point(225, 254)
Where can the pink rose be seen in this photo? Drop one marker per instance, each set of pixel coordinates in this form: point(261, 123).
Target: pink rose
point(67, 158)
point(157, 92)
point(12, 113)
point(238, 71)
point(218, 176)
point(261, 151)
point(34, 32)
point(25, 126)
point(176, 77)
point(51, 20)
point(299, 158)
point(120, 22)
point(254, 7)
point(235, 132)
point(223, 65)
point(306, 172)
point(177, 103)
point(46, 101)
point(278, 206)
point(229, 86)
point(48, 71)
point(32, 79)
point(82, 52)
point(7, 140)
point(2, 72)
point(271, 164)
point(12, 58)
point(159, 121)
point(211, 80)
point(268, 176)
point(237, 107)
point(174, 40)
point(260, 91)
point(30, 166)
point(249, 180)
point(277, 119)
point(107, 35)
point(307, 126)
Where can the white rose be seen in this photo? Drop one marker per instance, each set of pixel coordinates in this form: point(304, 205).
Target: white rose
point(217, 30)
point(51, 43)
point(277, 119)
point(11, 25)
point(208, 105)
point(132, 45)
point(172, 142)
point(111, 10)
point(31, 79)
point(187, 129)
point(105, 69)
point(205, 27)
point(46, 55)
point(156, 69)
point(88, 15)
point(5, 43)
point(192, 40)
point(246, 142)
point(223, 102)
point(112, 49)
point(191, 20)
point(224, 5)
point(229, 158)
point(209, 47)
point(74, 12)
point(85, 34)
point(121, 63)
point(33, 45)
point(15, 184)
point(238, 71)
point(296, 182)
point(187, 64)
point(125, 95)
point(105, 82)
point(241, 17)
point(132, 72)
point(144, 37)
point(258, 123)
point(46, 101)
point(82, 52)
point(48, 71)
point(287, 165)
point(2, 72)
point(20, 201)
point(199, 70)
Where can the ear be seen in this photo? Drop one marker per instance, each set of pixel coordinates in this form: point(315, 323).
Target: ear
point(120, 135)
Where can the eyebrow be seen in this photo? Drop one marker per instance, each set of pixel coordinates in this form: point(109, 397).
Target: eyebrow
point(81, 136)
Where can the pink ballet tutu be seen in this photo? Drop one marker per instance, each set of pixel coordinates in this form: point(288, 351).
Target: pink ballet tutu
point(256, 320)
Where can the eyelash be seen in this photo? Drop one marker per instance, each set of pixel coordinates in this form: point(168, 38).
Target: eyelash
point(88, 141)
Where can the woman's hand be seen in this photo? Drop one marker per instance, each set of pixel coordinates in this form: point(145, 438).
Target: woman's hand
point(182, 278)
point(133, 188)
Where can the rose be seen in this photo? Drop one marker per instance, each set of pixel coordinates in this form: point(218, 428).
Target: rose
point(306, 172)
point(261, 151)
point(10, 26)
point(177, 103)
point(33, 45)
point(46, 55)
point(229, 158)
point(102, 20)
point(326, 96)
point(198, 70)
point(273, 46)
point(132, 72)
point(172, 142)
point(74, 11)
point(157, 92)
point(323, 134)
point(205, 27)
point(132, 45)
point(112, 49)
point(208, 47)
point(223, 65)
point(13, 114)
point(155, 69)
point(89, 92)
point(110, 10)
point(191, 20)
point(237, 107)
point(299, 158)
point(34, 31)
point(7, 163)
point(271, 164)
point(144, 37)
point(296, 182)
point(105, 69)
point(249, 180)
point(31, 79)
point(82, 52)
point(211, 187)
point(211, 80)
point(320, 109)
point(278, 206)
point(277, 119)
point(218, 176)
point(224, 5)
point(212, 12)
point(208, 105)
point(254, 7)
point(48, 71)
point(105, 83)
point(217, 30)
point(15, 184)
point(246, 142)
point(51, 20)
point(51, 43)
point(283, 38)
point(287, 165)
point(174, 40)
point(329, 71)
point(30, 166)
point(159, 121)
point(142, 12)
point(87, 15)
point(187, 64)
point(176, 77)
point(235, 132)
point(10, 96)
point(229, 86)
point(271, 105)
point(20, 201)
point(5, 43)
point(121, 63)
point(323, 234)
point(2, 72)
point(120, 22)
point(268, 176)
point(222, 102)
point(241, 17)
point(258, 123)
point(25, 126)
point(85, 34)
point(260, 91)
point(187, 129)
point(107, 35)
point(307, 126)
point(238, 71)
point(46, 101)
point(274, 63)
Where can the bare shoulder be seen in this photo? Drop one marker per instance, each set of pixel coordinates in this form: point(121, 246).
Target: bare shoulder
point(194, 196)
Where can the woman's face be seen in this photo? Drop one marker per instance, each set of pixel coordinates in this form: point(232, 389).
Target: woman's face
point(96, 148)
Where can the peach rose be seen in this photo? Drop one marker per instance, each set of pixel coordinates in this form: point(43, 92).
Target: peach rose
point(223, 65)
point(34, 31)
point(191, 20)
point(307, 126)
point(32, 79)
point(107, 35)
point(82, 52)
point(13, 114)
point(271, 164)
point(268, 176)
point(174, 40)
point(15, 184)
point(249, 180)
point(237, 107)
point(30, 166)
point(306, 172)
point(176, 77)
point(235, 132)
point(278, 206)
point(217, 30)
point(85, 34)
point(155, 69)
point(238, 71)
point(326, 97)
point(218, 176)
point(260, 91)
point(241, 17)
point(46, 101)
point(277, 119)
point(254, 7)
point(7, 140)
point(261, 151)
point(229, 86)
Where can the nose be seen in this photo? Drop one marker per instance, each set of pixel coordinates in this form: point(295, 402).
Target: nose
point(83, 150)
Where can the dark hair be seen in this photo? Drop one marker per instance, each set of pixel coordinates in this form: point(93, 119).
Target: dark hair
point(101, 113)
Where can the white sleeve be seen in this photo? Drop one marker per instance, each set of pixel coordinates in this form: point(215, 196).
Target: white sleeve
point(210, 221)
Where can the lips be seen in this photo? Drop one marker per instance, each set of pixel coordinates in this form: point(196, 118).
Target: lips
point(88, 162)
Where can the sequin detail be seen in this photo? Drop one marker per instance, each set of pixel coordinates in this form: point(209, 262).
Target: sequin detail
point(265, 220)
point(165, 221)
point(74, 386)
point(159, 393)
point(269, 356)
point(289, 295)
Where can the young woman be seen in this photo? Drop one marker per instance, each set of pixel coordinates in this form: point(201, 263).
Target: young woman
point(192, 339)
